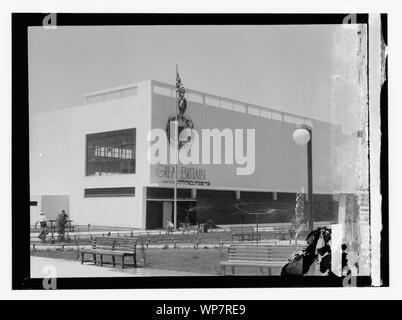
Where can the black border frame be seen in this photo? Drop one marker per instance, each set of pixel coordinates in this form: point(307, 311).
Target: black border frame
point(20, 152)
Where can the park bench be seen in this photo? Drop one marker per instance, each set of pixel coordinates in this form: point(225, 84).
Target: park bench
point(68, 227)
point(258, 256)
point(244, 232)
point(114, 247)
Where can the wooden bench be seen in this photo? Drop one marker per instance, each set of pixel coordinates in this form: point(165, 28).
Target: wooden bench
point(68, 227)
point(244, 232)
point(258, 256)
point(107, 246)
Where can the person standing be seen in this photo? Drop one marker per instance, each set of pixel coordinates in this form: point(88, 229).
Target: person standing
point(43, 226)
point(61, 222)
point(169, 227)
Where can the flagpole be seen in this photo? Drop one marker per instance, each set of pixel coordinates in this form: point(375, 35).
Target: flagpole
point(176, 156)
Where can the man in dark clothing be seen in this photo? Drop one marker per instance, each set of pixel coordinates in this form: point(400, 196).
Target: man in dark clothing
point(61, 221)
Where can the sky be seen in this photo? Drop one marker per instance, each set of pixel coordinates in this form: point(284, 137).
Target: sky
point(287, 68)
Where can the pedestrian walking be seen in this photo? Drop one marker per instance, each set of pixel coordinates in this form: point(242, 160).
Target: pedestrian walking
point(43, 226)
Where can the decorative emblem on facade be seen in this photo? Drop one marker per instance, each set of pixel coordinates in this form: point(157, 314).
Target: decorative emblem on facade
point(183, 120)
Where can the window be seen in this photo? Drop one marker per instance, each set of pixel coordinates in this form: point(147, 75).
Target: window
point(109, 192)
point(216, 194)
point(110, 153)
point(167, 193)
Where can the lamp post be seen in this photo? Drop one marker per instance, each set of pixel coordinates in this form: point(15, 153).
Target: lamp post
point(303, 136)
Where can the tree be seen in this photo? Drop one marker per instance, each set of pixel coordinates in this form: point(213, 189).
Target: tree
point(299, 213)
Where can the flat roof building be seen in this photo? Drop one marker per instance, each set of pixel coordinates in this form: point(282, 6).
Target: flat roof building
point(93, 161)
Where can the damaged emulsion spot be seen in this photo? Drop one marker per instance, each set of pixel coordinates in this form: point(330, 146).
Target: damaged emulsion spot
point(349, 106)
point(384, 55)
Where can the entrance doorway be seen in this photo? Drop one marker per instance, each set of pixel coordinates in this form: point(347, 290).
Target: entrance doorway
point(154, 215)
point(159, 212)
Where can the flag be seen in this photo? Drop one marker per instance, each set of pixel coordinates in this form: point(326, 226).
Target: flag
point(182, 103)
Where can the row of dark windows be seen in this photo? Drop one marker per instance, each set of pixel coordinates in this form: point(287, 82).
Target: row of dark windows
point(222, 207)
point(167, 193)
point(208, 195)
point(110, 153)
point(109, 192)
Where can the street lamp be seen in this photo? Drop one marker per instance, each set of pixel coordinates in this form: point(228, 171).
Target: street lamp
point(303, 136)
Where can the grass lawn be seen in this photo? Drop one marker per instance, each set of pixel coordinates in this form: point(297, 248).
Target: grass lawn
point(192, 260)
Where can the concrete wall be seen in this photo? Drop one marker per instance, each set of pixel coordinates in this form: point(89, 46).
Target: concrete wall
point(58, 151)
